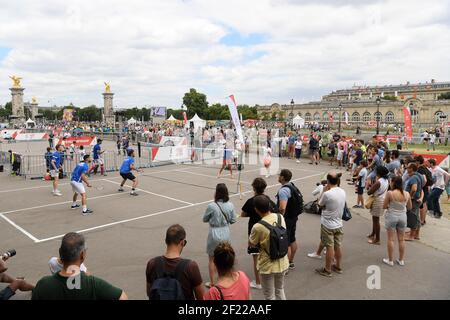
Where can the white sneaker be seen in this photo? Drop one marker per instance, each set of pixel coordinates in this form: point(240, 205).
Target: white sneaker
point(400, 262)
point(314, 255)
point(298, 161)
point(389, 263)
point(254, 285)
point(267, 176)
point(57, 193)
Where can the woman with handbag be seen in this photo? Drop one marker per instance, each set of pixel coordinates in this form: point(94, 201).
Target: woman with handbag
point(219, 214)
point(378, 192)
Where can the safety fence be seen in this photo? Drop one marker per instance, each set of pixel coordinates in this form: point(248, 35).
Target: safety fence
point(38, 166)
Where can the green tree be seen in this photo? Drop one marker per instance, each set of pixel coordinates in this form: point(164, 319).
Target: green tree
point(248, 112)
point(176, 113)
point(6, 111)
point(91, 113)
point(217, 111)
point(196, 103)
point(390, 98)
point(444, 96)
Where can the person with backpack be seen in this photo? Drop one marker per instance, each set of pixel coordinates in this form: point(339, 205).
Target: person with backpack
point(231, 285)
point(270, 235)
point(414, 186)
point(290, 205)
point(219, 214)
point(248, 211)
point(170, 277)
point(331, 231)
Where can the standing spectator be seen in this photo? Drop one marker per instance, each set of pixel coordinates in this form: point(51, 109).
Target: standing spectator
point(291, 142)
point(438, 187)
point(73, 253)
point(396, 204)
point(298, 148)
point(431, 141)
point(81, 153)
point(231, 285)
point(125, 144)
point(48, 159)
point(219, 214)
point(360, 184)
point(118, 143)
point(184, 271)
point(272, 272)
point(378, 191)
point(51, 136)
point(399, 143)
point(331, 233)
point(290, 205)
point(314, 149)
point(331, 151)
point(394, 165)
point(248, 211)
point(56, 165)
point(422, 168)
point(414, 185)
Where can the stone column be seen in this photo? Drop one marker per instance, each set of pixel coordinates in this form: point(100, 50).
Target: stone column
point(18, 113)
point(108, 107)
point(34, 110)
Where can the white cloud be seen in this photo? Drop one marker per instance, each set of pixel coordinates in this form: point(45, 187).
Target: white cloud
point(152, 52)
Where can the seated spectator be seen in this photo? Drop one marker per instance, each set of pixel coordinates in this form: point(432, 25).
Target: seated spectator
point(56, 265)
point(14, 283)
point(184, 272)
point(232, 285)
point(71, 283)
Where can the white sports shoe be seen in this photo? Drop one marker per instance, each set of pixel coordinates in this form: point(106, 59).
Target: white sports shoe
point(254, 285)
point(57, 193)
point(314, 255)
point(298, 161)
point(400, 262)
point(389, 263)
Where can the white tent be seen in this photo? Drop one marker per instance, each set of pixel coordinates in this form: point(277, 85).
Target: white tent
point(132, 121)
point(171, 118)
point(298, 121)
point(30, 124)
point(198, 123)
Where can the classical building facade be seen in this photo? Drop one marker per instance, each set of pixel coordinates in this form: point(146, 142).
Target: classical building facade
point(363, 109)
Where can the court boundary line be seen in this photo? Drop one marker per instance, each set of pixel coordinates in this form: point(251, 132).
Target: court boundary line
point(152, 193)
point(36, 240)
point(211, 176)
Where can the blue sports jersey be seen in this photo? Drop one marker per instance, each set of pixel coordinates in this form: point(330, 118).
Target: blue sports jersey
point(95, 151)
point(78, 171)
point(126, 165)
point(56, 156)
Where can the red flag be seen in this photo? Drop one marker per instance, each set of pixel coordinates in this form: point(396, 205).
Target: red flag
point(185, 117)
point(408, 123)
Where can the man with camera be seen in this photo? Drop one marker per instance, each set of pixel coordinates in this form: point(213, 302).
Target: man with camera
point(14, 283)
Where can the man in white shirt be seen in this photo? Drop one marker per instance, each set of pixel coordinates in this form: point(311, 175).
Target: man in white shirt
point(431, 142)
point(332, 203)
point(438, 187)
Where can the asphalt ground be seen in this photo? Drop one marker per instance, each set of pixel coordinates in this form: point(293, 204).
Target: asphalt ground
point(125, 232)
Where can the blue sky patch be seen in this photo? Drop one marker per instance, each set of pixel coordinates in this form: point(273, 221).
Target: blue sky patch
point(4, 52)
point(235, 38)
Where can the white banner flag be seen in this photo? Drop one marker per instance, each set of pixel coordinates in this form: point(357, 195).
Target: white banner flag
point(235, 117)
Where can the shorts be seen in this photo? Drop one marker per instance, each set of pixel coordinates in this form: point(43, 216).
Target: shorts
point(227, 155)
point(291, 228)
point(360, 190)
point(331, 237)
point(6, 294)
point(313, 152)
point(99, 161)
point(127, 176)
point(77, 187)
point(413, 217)
point(354, 166)
point(54, 173)
point(395, 221)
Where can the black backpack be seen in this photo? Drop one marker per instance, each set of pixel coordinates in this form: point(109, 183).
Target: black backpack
point(167, 285)
point(294, 206)
point(278, 239)
point(428, 175)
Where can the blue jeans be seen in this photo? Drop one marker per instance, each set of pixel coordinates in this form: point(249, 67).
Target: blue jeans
point(433, 201)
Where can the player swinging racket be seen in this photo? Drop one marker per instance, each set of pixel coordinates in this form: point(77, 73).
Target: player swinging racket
point(125, 172)
point(55, 167)
point(78, 177)
point(98, 158)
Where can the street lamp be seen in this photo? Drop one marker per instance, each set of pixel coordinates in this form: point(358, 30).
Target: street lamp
point(378, 115)
point(340, 116)
point(291, 115)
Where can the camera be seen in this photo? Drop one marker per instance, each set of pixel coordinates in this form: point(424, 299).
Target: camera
point(8, 254)
point(253, 250)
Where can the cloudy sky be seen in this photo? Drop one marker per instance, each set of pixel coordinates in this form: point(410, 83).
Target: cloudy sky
point(263, 51)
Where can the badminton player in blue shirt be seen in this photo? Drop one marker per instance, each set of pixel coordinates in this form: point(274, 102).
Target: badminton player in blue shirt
point(126, 172)
point(78, 177)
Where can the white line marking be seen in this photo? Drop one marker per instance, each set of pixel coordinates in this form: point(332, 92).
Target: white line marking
point(25, 232)
point(161, 212)
point(57, 204)
point(210, 176)
point(155, 194)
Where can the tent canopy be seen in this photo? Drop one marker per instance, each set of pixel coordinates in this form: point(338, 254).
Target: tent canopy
point(30, 121)
point(298, 121)
point(198, 122)
point(132, 121)
point(171, 118)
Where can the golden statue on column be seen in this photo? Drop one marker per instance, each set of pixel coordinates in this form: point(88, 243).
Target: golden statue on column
point(16, 81)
